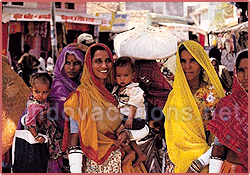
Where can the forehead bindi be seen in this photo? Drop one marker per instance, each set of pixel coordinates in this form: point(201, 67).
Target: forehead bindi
point(71, 58)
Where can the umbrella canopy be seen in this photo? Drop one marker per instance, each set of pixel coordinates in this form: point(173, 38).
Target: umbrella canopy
point(146, 43)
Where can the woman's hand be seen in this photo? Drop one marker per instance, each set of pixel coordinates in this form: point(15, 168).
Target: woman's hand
point(129, 123)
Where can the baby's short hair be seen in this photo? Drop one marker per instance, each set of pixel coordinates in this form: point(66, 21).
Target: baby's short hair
point(44, 78)
point(124, 61)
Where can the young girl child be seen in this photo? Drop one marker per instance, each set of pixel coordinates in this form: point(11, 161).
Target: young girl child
point(39, 139)
point(131, 104)
point(40, 89)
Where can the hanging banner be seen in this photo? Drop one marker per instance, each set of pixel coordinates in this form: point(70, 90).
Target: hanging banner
point(75, 26)
point(112, 22)
point(58, 18)
point(107, 21)
point(120, 23)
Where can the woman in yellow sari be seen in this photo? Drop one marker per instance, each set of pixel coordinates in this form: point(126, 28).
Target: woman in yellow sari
point(95, 110)
point(196, 90)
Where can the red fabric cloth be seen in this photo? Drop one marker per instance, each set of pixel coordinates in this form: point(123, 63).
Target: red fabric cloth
point(230, 122)
point(202, 39)
point(159, 89)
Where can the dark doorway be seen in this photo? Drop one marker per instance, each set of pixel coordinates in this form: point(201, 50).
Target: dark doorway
point(15, 45)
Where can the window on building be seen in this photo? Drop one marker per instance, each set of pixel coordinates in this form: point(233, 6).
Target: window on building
point(69, 6)
point(17, 3)
point(58, 5)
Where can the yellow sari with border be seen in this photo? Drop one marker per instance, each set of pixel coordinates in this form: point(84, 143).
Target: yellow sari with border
point(184, 129)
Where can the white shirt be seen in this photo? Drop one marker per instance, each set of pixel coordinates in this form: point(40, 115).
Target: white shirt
point(228, 60)
point(41, 66)
point(50, 65)
point(131, 95)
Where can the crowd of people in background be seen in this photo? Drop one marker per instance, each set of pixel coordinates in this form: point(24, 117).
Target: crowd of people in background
point(104, 114)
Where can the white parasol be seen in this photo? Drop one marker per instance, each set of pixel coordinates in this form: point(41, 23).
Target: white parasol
point(146, 43)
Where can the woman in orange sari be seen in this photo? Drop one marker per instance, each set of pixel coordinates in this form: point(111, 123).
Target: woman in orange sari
point(95, 110)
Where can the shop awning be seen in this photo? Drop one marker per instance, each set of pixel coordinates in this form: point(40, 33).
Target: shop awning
point(184, 27)
point(238, 28)
point(27, 14)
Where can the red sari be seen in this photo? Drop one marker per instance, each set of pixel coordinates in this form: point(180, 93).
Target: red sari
point(230, 122)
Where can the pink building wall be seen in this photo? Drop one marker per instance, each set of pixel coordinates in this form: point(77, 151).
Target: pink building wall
point(80, 7)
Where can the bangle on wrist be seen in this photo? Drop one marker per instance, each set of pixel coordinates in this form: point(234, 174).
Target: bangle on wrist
point(129, 133)
point(215, 157)
point(75, 149)
point(37, 136)
point(196, 166)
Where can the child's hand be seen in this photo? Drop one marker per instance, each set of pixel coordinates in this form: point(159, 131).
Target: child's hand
point(40, 139)
point(129, 123)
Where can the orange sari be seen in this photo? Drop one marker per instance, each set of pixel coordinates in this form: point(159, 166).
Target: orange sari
point(95, 110)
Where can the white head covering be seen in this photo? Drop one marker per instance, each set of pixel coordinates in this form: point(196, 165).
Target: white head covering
point(86, 39)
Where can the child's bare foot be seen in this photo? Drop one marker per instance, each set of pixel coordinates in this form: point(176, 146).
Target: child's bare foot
point(128, 157)
point(141, 157)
